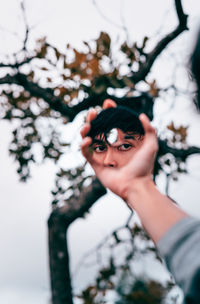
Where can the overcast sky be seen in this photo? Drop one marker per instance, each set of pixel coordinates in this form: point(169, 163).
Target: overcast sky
point(25, 207)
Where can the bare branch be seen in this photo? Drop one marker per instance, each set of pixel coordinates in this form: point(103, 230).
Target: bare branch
point(17, 64)
point(15, 34)
point(34, 89)
point(180, 13)
point(112, 234)
point(8, 79)
point(123, 21)
point(168, 176)
point(182, 154)
point(143, 103)
point(151, 57)
point(104, 17)
point(56, 103)
point(26, 25)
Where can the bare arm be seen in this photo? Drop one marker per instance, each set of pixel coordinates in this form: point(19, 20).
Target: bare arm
point(156, 211)
point(134, 183)
point(176, 234)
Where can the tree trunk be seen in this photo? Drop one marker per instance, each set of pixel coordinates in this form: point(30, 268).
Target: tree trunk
point(59, 261)
point(58, 223)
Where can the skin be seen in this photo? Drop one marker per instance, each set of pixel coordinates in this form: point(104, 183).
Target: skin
point(139, 166)
point(119, 153)
point(133, 182)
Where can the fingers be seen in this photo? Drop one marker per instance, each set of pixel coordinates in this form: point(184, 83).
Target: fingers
point(85, 129)
point(146, 123)
point(86, 142)
point(85, 148)
point(85, 145)
point(92, 113)
point(109, 103)
point(150, 139)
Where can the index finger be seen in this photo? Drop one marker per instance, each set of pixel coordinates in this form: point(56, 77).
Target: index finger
point(109, 103)
point(85, 129)
point(92, 113)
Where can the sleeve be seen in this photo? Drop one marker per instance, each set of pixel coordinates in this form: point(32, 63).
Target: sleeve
point(180, 247)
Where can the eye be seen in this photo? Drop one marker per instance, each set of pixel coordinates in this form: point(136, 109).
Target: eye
point(99, 148)
point(125, 147)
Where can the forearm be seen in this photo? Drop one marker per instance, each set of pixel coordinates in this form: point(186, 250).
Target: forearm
point(157, 212)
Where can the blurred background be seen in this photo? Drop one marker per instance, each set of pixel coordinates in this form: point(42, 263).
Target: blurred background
point(26, 206)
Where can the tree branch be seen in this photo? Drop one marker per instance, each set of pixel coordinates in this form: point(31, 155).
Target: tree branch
point(26, 25)
point(47, 94)
point(104, 17)
point(80, 205)
point(17, 64)
point(151, 57)
point(140, 104)
point(143, 103)
point(182, 154)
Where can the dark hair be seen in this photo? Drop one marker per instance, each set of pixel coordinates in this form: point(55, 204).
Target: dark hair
point(195, 68)
point(119, 117)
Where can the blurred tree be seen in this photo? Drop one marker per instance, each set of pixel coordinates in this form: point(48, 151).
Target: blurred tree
point(44, 87)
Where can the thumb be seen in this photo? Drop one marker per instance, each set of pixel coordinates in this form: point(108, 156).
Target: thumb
point(149, 130)
point(150, 138)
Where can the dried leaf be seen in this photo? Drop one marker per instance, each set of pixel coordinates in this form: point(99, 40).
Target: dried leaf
point(154, 91)
point(103, 44)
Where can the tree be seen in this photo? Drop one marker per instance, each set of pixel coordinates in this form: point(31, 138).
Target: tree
point(44, 84)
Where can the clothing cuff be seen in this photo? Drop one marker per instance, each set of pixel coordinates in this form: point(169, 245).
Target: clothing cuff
point(175, 233)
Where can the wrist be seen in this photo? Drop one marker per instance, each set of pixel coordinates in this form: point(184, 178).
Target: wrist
point(137, 189)
point(156, 211)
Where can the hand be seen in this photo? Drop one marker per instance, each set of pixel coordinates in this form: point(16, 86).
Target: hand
point(121, 181)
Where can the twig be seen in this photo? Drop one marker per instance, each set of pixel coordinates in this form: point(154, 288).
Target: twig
point(102, 243)
point(104, 17)
point(26, 25)
point(161, 45)
point(123, 21)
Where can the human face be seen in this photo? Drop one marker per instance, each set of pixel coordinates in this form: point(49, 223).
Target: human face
point(117, 154)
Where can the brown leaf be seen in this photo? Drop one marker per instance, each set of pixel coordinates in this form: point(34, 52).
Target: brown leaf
point(94, 66)
point(103, 44)
point(129, 51)
point(44, 69)
point(63, 91)
point(180, 131)
point(154, 91)
point(74, 94)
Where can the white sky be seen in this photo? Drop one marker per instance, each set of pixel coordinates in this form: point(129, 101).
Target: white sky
point(25, 207)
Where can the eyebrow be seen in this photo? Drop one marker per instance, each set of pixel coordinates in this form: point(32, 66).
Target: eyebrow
point(129, 137)
point(103, 142)
point(98, 141)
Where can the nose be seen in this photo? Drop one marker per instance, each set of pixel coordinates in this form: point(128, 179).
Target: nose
point(109, 159)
